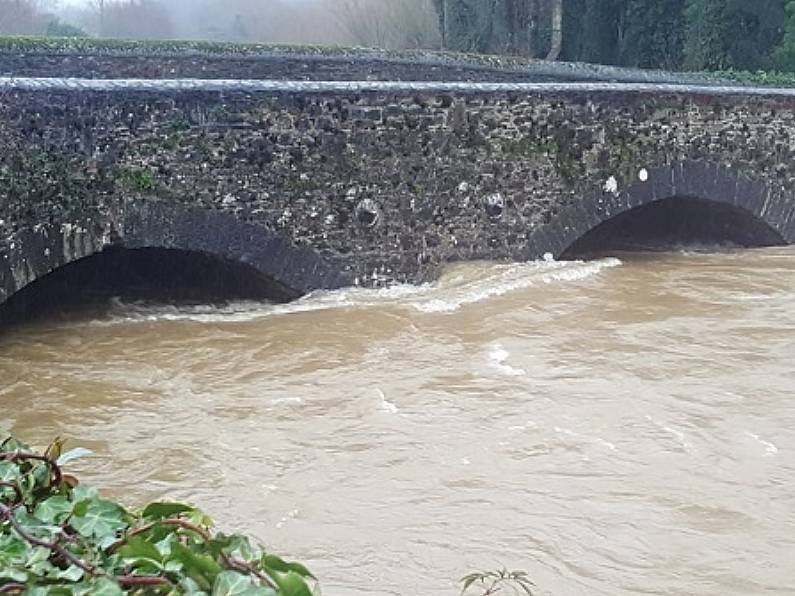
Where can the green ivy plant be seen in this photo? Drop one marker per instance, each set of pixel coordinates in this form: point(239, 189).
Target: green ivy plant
point(60, 538)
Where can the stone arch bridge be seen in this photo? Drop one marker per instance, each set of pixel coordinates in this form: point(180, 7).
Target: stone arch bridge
point(242, 166)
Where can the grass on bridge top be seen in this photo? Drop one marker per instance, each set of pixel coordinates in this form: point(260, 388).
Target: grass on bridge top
point(81, 45)
point(172, 48)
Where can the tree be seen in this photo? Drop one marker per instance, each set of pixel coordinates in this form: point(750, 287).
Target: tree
point(785, 53)
point(602, 22)
point(757, 28)
point(364, 21)
point(557, 30)
point(412, 24)
point(653, 34)
point(722, 34)
point(466, 25)
point(19, 17)
point(489, 26)
point(394, 24)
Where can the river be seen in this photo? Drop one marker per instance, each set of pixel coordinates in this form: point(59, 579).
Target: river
point(616, 427)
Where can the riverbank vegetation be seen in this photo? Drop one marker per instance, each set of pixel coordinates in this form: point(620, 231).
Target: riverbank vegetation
point(59, 537)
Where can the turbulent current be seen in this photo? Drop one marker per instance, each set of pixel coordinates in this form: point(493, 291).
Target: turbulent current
point(613, 427)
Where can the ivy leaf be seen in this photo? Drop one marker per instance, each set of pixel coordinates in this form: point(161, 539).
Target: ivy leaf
point(12, 548)
point(104, 587)
point(291, 584)
point(101, 519)
point(155, 511)
point(232, 583)
point(72, 455)
point(42, 569)
point(54, 510)
point(41, 473)
point(14, 574)
point(236, 546)
point(35, 526)
point(198, 518)
point(72, 573)
point(138, 548)
point(191, 588)
point(8, 471)
point(173, 566)
point(275, 563)
point(84, 493)
point(197, 566)
point(37, 555)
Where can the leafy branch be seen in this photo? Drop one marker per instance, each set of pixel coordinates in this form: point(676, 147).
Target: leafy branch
point(491, 582)
point(56, 533)
point(58, 536)
point(7, 515)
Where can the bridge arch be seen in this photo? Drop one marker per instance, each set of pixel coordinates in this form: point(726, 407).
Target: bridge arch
point(682, 202)
point(161, 244)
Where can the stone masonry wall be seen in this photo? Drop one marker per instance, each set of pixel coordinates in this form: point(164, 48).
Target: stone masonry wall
point(384, 185)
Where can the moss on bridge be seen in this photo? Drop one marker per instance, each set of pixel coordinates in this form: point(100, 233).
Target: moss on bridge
point(41, 58)
point(86, 45)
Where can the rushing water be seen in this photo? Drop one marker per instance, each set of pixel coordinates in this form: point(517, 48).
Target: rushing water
point(613, 427)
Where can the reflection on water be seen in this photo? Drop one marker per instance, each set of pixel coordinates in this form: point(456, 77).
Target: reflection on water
point(614, 427)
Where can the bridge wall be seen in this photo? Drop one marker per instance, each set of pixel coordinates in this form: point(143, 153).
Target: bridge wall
point(117, 59)
point(373, 185)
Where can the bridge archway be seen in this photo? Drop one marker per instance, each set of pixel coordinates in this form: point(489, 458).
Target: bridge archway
point(154, 251)
point(672, 223)
point(687, 203)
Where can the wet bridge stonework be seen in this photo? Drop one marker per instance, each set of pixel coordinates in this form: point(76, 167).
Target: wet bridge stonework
point(351, 180)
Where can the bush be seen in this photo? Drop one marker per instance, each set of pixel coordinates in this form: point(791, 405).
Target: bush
point(57, 28)
point(59, 537)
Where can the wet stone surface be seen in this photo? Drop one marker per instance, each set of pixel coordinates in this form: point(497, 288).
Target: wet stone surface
point(369, 183)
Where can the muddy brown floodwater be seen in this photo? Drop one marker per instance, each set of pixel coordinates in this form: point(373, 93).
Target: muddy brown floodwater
point(614, 427)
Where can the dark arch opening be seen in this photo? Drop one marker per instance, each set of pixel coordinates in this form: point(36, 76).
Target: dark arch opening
point(676, 222)
point(156, 275)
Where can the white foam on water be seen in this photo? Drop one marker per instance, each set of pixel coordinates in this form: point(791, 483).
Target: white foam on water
point(296, 401)
point(497, 356)
point(386, 405)
point(504, 279)
point(770, 448)
point(575, 437)
point(678, 435)
point(461, 286)
point(291, 515)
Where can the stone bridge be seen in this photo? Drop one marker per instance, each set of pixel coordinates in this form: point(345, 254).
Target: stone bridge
point(297, 171)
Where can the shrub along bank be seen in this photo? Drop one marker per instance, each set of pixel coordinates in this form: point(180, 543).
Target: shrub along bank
point(59, 537)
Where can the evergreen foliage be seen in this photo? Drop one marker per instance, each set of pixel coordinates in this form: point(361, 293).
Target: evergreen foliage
point(785, 53)
point(653, 34)
point(669, 34)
